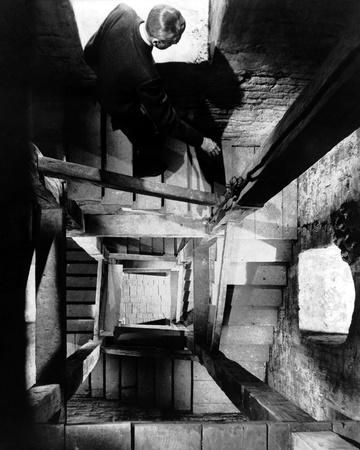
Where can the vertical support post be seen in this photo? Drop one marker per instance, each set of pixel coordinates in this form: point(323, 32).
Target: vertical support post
point(201, 285)
point(220, 304)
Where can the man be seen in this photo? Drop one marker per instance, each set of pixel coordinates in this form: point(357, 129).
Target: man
point(129, 87)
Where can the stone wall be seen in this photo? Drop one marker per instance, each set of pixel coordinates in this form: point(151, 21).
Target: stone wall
point(321, 374)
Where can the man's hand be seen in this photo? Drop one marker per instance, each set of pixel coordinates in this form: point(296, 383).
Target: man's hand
point(210, 147)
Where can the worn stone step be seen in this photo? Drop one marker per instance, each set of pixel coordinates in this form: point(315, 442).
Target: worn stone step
point(252, 315)
point(256, 250)
point(81, 281)
point(240, 296)
point(248, 352)
point(255, 273)
point(243, 334)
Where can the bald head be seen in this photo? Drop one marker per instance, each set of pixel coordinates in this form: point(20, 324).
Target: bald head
point(164, 26)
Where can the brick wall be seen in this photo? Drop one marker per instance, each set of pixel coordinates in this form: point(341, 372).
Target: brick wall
point(320, 376)
point(145, 298)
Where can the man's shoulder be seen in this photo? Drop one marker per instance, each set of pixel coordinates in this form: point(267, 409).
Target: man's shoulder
point(123, 10)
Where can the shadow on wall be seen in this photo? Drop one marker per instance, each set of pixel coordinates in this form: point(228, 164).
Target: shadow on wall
point(203, 94)
point(279, 31)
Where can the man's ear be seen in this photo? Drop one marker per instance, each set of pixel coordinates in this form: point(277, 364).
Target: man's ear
point(155, 42)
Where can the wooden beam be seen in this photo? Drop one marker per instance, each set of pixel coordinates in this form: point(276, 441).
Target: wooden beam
point(85, 174)
point(79, 365)
point(201, 286)
point(326, 112)
point(247, 392)
point(223, 283)
point(317, 440)
point(149, 352)
point(99, 291)
point(137, 224)
point(45, 402)
point(138, 257)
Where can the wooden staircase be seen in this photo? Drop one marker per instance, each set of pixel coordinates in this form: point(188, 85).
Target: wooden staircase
point(81, 276)
point(256, 276)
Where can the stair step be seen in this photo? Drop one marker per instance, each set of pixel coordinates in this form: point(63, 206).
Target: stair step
point(82, 268)
point(247, 352)
point(79, 325)
point(80, 311)
point(255, 273)
point(249, 315)
point(240, 296)
point(78, 255)
point(243, 334)
point(256, 250)
point(83, 296)
point(257, 368)
point(84, 281)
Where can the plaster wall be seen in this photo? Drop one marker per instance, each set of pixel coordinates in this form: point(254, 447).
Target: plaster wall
point(320, 374)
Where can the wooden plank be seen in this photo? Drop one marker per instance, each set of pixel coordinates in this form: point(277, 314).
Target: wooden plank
point(348, 430)
point(139, 224)
point(241, 296)
point(112, 377)
point(247, 352)
point(81, 281)
point(235, 436)
point(279, 434)
point(79, 366)
point(249, 315)
point(163, 388)
point(146, 381)
point(149, 352)
point(258, 400)
point(201, 293)
point(128, 380)
point(91, 175)
point(140, 257)
point(82, 296)
point(246, 334)
point(118, 159)
point(45, 402)
point(81, 269)
point(197, 182)
point(146, 246)
point(97, 378)
point(256, 250)
point(172, 436)
point(176, 173)
point(145, 201)
point(158, 246)
point(316, 440)
point(329, 107)
point(257, 274)
point(98, 299)
point(105, 436)
point(223, 282)
point(182, 385)
point(80, 311)
point(79, 325)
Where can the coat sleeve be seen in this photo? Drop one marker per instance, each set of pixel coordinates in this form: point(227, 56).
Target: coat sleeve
point(156, 105)
point(91, 51)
